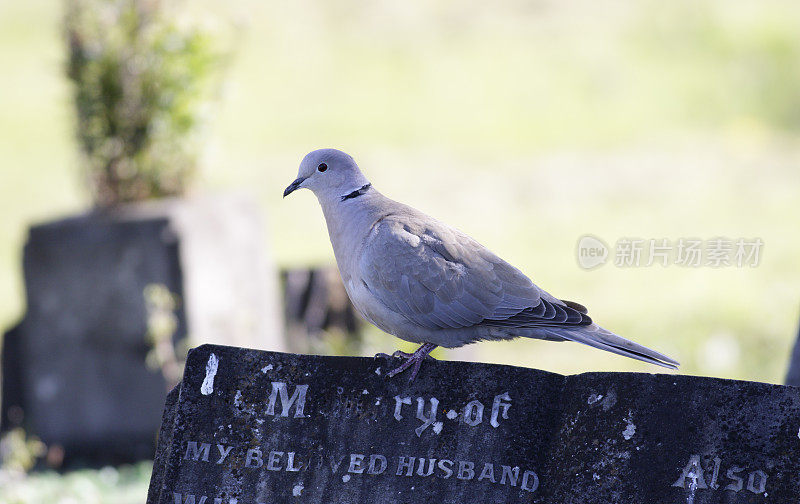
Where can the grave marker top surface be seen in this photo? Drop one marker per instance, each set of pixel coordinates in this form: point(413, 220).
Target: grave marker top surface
point(252, 427)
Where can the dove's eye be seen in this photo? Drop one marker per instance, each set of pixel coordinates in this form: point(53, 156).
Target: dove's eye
point(322, 167)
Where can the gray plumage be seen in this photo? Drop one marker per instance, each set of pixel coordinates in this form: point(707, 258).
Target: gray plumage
point(426, 282)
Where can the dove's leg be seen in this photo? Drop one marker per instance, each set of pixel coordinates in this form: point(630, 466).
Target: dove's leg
point(414, 359)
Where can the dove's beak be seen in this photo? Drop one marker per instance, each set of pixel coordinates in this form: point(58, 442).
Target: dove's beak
point(294, 186)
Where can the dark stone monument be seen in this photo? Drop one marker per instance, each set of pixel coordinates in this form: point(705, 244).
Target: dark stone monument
point(81, 377)
point(251, 427)
point(318, 314)
point(83, 370)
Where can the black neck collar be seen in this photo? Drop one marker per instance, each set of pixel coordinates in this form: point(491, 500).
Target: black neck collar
point(358, 192)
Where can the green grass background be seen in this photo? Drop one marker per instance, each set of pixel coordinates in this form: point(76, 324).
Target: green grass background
point(525, 124)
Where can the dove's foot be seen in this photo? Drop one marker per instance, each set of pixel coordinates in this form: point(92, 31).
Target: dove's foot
point(398, 353)
point(412, 359)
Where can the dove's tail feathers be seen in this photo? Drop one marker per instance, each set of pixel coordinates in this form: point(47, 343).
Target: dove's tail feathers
point(597, 337)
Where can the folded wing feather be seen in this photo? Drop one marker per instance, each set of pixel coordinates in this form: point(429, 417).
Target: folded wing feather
point(440, 278)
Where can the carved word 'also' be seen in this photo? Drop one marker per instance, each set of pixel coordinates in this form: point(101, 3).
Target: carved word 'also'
point(693, 476)
point(472, 413)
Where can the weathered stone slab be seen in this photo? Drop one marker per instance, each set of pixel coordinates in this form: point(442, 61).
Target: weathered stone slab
point(252, 427)
point(88, 368)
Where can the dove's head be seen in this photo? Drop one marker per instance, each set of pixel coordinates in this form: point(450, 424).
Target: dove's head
point(329, 173)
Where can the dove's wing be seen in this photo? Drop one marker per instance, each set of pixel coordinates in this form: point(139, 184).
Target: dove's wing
point(440, 278)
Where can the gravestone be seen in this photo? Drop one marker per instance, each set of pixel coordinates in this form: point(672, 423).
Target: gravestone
point(319, 316)
point(252, 427)
point(83, 371)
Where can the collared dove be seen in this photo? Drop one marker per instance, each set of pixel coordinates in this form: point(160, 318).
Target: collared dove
point(426, 282)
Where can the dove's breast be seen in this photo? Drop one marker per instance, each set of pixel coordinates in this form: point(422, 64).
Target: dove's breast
point(351, 228)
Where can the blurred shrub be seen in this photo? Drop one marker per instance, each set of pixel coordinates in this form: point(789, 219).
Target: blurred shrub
point(162, 323)
point(141, 80)
point(18, 452)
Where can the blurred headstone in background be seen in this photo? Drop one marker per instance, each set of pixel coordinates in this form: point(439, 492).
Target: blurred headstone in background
point(793, 374)
point(115, 299)
point(319, 315)
point(11, 380)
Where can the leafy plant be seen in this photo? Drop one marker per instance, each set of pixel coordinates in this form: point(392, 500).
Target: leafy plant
point(162, 323)
point(141, 80)
point(18, 451)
